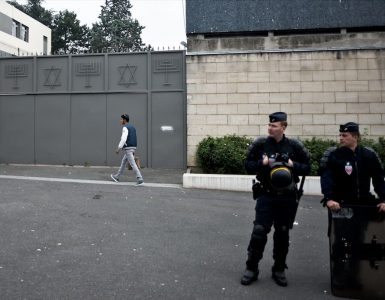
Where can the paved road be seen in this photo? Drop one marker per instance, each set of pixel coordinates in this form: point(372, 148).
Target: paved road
point(69, 240)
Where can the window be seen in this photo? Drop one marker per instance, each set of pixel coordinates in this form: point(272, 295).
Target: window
point(45, 45)
point(15, 28)
point(20, 31)
point(24, 34)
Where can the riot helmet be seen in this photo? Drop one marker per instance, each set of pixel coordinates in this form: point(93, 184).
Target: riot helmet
point(280, 176)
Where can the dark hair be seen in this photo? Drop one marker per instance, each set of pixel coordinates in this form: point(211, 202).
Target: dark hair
point(357, 135)
point(125, 117)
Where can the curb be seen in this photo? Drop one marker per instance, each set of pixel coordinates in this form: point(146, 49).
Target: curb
point(239, 183)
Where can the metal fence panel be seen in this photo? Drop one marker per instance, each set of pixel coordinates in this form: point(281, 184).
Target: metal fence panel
point(67, 108)
point(52, 129)
point(17, 126)
point(135, 105)
point(88, 129)
point(167, 126)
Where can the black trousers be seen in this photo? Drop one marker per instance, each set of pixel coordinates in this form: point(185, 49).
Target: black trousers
point(277, 210)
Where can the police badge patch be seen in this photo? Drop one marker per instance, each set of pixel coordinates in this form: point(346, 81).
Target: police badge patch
point(348, 168)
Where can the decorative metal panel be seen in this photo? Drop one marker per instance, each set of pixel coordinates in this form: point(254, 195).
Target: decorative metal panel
point(52, 74)
point(67, 108)
point(127, 72)
point(16, 75)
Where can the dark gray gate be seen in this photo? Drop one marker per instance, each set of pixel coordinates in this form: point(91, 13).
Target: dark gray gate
point(66, 109)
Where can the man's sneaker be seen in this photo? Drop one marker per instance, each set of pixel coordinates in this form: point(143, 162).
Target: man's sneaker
point(114, 178)
point(140, 182)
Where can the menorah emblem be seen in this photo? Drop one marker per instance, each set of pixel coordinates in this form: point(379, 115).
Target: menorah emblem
point(166, 66)
point(52, 77)
point(87, 70)
point(16, 72)
point(123, 70)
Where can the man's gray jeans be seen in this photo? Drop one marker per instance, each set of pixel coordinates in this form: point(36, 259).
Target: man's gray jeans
point(129, 157)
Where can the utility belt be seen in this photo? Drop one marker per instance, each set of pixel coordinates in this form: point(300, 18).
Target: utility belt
point(259, 189)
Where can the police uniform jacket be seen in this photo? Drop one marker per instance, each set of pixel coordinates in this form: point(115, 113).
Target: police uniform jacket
point(288, 148)
point(346, 175)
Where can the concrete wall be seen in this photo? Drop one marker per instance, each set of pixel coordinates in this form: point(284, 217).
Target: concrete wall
point(234, 93)
point(200, 43)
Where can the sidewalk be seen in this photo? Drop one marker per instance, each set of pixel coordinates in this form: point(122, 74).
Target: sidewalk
point(176, 177)
point(164, 176)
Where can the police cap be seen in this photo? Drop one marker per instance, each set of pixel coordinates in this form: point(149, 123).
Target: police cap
point(349, 127)
point(277, 117)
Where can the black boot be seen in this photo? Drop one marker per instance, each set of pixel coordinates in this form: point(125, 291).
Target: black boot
point(278, 274)
point(249, 277)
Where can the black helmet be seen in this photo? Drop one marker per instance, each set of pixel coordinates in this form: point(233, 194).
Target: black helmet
point(280, 176)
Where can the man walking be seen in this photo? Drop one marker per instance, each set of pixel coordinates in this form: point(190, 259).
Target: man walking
point(128, 142)
point(277, 161)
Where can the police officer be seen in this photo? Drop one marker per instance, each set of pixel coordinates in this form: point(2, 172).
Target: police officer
point(346, 172)
point(277, 161)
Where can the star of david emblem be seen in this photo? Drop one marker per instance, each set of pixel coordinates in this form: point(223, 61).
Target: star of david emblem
point(127, 71)
point(52, 77)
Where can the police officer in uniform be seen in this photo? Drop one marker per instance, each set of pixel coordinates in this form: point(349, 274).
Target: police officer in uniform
point(346, 172)
point(277, 161)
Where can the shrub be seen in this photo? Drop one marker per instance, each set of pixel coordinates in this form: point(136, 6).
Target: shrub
point(223, 155)
point(226, 155)
point(379, 147)
point(316, 148)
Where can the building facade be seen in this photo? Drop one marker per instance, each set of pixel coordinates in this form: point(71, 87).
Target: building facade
point(21, 35)
point(323, 62)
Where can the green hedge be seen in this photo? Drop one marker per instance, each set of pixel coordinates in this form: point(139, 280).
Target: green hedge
point(378, 146)
point(223, 155)
point(316, 148)
point(226, 155)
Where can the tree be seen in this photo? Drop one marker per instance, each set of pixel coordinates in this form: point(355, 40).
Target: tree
point(116, 30)
point(68, 36)
point(34, 9)
point(18, 6)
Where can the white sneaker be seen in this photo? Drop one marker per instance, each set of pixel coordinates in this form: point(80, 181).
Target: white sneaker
point(116, 179)
point(140, 182)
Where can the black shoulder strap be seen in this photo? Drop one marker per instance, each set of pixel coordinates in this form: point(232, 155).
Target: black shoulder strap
point(259, 142)
point(325, 158)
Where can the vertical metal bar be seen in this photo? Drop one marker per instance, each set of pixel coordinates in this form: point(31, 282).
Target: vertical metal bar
point(69, 81)
point(106, 79)
point(34, 128)
point(106, 88)
point(70, 75)
point(149, 109)
point(34, 90)
point(184, 99)
point(34, 74)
